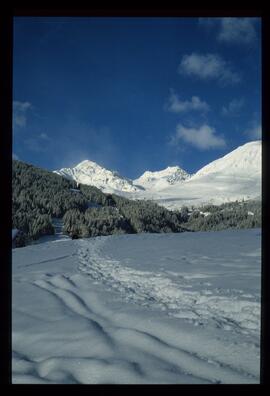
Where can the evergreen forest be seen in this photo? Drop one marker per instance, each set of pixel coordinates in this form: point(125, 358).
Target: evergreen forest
point(39, 196)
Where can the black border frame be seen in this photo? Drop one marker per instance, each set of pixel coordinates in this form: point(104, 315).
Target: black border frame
point(6, 66)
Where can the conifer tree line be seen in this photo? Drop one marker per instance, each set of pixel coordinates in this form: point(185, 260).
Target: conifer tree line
point(38, 196)
point(238, 215)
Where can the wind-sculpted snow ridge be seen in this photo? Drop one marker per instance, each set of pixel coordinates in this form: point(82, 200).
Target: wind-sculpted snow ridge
point(146, 309)
point(152, 289)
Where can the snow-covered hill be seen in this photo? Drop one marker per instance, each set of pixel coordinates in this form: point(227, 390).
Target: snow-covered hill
point(243, 161)
point(161, 179)
point(235, 176)
point(89, 172)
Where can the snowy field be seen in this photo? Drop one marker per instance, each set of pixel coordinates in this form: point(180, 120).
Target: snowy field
point(147, 308)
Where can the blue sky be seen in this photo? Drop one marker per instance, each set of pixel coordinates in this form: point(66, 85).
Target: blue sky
point(134, 94)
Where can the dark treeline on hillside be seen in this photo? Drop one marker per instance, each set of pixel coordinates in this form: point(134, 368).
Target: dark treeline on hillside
point(246, 214)
point(121, 215)
point(96, 221)
point(147, 216)
point(38, 196)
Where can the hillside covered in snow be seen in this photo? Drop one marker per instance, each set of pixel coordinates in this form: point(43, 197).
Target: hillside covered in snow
point(244, 161)
point(161, 179)
point(90, 173)
point(235, 176)
point(39, 197)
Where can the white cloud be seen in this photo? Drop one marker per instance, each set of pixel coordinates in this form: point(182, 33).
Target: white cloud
point(231, 29)
point(21, 106)
point(20, 113)
point(203, 137)
point(237, 30)
point(208, 67)
point(39, 143)
point(44, 136)
point(255, 132)
point(175, 105)
point(33, 144)
point(233, 107)
point(14, 156)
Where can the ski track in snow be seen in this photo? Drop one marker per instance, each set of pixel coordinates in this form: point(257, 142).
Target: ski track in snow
point(152, 289)
point(107, 322)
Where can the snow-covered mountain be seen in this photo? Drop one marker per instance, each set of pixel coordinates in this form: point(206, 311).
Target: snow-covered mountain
point(89, 172)
point(244, 161)
point(235, 176)
point(161, 179)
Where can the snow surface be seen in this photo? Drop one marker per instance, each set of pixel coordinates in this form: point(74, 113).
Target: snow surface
point(215, 189)
point(235, 176)
point(146, 308)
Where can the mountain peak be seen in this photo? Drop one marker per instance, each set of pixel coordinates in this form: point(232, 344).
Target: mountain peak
point(252, 143)
point(245, 160)
point(86, 162)
point(161, 179)
point(236, 174)
point(89, 172)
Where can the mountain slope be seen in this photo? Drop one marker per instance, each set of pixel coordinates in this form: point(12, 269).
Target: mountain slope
point(161, 179)
point(90, 173)
point(244, 161)
point(235, 176)
point(40, 196)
